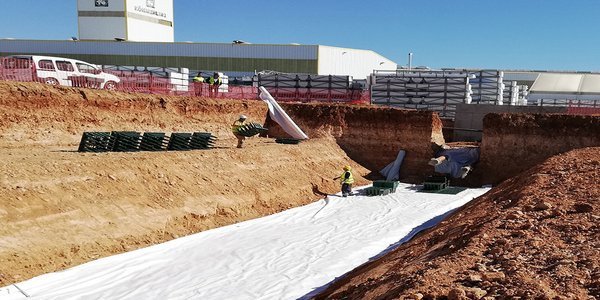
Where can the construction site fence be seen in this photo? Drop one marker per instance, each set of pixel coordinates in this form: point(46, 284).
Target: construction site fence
point(24, 70)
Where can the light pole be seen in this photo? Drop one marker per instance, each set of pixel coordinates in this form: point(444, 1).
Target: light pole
point(410, 55)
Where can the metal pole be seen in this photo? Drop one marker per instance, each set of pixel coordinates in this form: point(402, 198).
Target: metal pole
point(410, 55)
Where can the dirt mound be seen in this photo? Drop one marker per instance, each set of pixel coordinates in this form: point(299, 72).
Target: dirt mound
point(533, 236)
point(60, 208)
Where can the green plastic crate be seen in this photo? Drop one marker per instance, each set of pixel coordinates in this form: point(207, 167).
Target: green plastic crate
point(378, 191)
point(393, 185)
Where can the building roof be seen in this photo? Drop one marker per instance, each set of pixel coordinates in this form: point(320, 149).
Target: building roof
point(578, 84)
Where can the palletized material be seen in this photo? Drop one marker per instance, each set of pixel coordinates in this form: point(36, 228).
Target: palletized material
point(386, 184)
point(154, 141)
point(377, 191)
point(96, 142)
point(126, 141)
point(435, 183)
point(202, 140)
point(251, 129)
point(382, 187)
point(180, 141)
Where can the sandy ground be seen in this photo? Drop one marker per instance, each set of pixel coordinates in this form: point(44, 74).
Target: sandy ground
point(535, 236)
point(60, 208)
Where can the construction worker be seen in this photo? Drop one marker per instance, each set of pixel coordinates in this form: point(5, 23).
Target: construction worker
point(235, 127)
point(198, 83)
point(346, 179)
point(214, 82)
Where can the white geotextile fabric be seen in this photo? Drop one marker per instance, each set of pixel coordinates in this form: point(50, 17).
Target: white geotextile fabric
point(289, 255)
point(278, 115)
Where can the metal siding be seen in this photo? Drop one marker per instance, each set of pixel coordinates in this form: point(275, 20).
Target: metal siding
point(354, 62)
point(302, 52)
point(243, 65)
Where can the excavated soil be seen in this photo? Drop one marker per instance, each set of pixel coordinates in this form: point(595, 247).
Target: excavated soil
point(535, 236)
point(60, 208)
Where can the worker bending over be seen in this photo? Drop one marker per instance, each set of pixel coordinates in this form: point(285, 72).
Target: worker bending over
point(346, 179)
point(235, 128)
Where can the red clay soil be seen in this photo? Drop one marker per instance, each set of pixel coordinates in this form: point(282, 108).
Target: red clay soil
point(535, 236)
point(60, 208)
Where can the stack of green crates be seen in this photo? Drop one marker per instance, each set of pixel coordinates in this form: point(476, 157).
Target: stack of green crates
point(382, 187)
point(202, 140)
point(126, 141)
point(154, 141)
point(435, 183)
point(180, 141)
point(96, 142)
point(251, 129)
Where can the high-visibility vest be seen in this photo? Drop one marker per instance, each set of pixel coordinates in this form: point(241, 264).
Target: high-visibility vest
point(211, 80)
point(349, 180)
point(235, 128)
point(199, 79)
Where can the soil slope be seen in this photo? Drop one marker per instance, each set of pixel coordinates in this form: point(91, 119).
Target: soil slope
point(535, 236)
point(60, 208)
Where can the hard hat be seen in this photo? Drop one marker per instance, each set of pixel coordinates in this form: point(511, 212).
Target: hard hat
point(243, 117)
point(347, 168)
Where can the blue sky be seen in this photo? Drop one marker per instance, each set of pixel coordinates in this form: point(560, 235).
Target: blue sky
point(508, 34)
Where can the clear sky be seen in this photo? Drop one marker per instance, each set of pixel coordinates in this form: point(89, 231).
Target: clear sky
point(508, 34)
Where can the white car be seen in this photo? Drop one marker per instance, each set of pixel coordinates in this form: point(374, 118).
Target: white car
point(68, 72)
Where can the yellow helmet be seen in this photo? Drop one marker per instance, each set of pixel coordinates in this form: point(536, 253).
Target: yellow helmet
point(347, 168)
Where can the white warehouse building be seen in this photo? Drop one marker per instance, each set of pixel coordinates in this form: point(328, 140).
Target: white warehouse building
point(229, 58)
point(141, 32)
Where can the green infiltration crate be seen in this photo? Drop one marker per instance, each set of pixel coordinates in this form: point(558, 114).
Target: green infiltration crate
point(378, 191)
point(126, 141)
point(386, 184)
point(447, 191)
point(287, 141)
point(202, 140)
point(180, 141)
point(251, 129)
point(95, 142)
point(154, 141)
point(435, 183)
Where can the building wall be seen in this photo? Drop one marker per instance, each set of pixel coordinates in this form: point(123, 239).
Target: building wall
point(133, 20)
point(354, 62)
point(150, 21)
point(225, 57)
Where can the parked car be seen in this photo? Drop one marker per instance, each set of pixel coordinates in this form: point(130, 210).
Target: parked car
point(61, 71)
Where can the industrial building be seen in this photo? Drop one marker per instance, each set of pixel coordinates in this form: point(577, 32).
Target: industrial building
point(131, 20)
point(230, 58)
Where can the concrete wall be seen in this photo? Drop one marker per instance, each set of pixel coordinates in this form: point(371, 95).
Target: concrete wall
point(470, 116)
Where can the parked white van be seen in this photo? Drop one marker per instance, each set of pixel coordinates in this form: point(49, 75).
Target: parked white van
point(68, 72)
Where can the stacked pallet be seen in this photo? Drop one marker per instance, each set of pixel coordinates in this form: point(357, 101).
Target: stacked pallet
point(129, 141)
point(431, 90)
point(251, 129)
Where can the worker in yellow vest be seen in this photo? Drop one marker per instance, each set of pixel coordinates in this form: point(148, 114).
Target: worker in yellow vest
point(235, 128)
point(346, 179)
point(198, 84)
